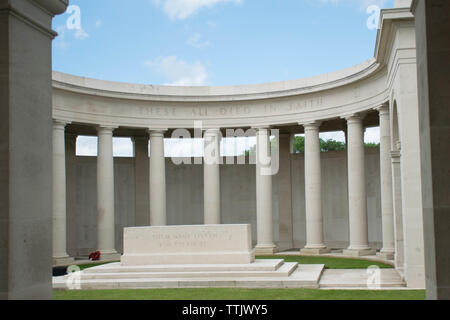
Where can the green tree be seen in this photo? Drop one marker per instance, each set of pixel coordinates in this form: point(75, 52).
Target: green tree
point(325, 145)
point(299, 144)
point(331, 145)
point(372, 145)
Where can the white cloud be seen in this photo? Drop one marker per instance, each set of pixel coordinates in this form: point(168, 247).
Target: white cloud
point(179, 72)
point(80, 34)
point(61, 41)
point(64, 33)
point(181, 9)
point(196, 41)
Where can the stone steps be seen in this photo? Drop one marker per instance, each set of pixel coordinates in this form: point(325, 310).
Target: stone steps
point(258, 265)
point(104, 284)
point(283, 271)
point(285, 275)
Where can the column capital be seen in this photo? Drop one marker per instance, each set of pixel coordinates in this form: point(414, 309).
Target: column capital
point(383, 109)
point(154, 133)
point(60, 123)
point(211, 131)
point(106, 128)
point(354, 117)
point(157, 131)
point(313, 125)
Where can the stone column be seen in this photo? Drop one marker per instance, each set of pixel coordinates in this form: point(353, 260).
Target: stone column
point(286, 238)
point(387, 216)
point(265, 244)
point(157, 179)
point(71, 197)
point(359, 238)
point(141, 169)
point(313, 192)
point(105, 194)
point(26, 147)
point(398, 212)
point(60, 256)
point(211, 176)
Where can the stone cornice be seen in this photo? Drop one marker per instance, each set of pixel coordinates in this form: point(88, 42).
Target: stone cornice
point(36, 13)
point(53, 6)
point(386, 33)
point(265, 91)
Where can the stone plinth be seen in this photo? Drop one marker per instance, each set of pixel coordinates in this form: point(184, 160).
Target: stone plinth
point(206, 256)
point(205, 244)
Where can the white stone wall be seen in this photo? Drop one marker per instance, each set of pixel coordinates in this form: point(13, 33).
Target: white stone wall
point(238, 194)
point(84, 223)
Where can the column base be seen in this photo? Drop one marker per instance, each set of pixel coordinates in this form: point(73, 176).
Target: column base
point(386, 254)
point(314, 251)
point(265, 249)
point(110, 256)
point(62, 261)
point(358, 252)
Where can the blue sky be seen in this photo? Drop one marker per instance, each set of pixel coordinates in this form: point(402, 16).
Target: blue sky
point(213, 42)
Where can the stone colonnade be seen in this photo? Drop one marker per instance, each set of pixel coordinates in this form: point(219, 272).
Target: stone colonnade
point(358, 224)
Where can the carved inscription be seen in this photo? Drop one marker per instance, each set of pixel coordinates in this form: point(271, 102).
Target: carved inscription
point(200, 239)
point(266, 109)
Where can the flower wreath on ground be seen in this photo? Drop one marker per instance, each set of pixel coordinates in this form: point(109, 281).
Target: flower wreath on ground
point(95, 256)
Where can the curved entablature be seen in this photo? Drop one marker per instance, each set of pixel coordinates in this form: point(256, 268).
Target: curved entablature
point(217, 93)
point(330, 96)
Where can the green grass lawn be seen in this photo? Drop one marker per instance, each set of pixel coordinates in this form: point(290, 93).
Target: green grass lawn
point(239, 294)
point(330, 262)
point(90, 265)
point(254, 294)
